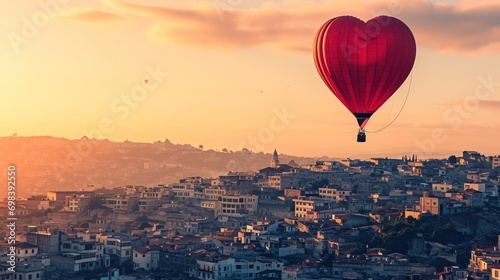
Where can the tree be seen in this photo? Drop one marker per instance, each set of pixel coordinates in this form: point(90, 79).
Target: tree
point(376, 242)
point(127, 267)
point(446, 235)
point(328, 260)
point(410, 220)
point(84, 224)
point(439, 263)
point(355, 250)
point(144, 225)
point(398, 241)
point(452, 160)
point(320, 184)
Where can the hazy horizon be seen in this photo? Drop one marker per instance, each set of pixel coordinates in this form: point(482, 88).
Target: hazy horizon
point(45, 163)
point(442, 154)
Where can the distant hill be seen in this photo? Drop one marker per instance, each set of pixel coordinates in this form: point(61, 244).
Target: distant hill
point(48, 163)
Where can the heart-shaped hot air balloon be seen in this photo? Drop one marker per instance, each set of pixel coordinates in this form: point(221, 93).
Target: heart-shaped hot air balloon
point(363, 64)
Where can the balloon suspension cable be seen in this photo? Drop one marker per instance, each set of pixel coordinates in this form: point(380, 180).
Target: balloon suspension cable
point(401, 110)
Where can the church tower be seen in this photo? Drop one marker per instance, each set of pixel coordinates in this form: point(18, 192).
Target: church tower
point(275, 163)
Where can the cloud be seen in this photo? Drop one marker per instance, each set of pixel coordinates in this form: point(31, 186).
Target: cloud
point(493, 105)
point(234, 28)
point(91, 15)
point(464, 26)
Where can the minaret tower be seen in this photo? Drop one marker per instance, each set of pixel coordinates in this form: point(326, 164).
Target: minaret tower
point(275, 162)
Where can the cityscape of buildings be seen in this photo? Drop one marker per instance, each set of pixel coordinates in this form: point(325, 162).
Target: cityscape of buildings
point(382, 218)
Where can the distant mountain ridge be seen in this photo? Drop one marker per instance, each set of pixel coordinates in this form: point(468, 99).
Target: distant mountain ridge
point(49, 163)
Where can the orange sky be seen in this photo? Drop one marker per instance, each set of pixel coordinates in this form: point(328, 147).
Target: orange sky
point(233, 74)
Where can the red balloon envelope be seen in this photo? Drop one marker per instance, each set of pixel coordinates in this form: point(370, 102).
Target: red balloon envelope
point(363, 64)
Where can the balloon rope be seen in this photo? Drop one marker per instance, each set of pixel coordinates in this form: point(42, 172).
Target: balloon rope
point(401, 110)
point(390, 112)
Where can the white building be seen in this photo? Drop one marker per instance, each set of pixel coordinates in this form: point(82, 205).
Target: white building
point(212, 193)
point(122, 202)
point(236, 206)
point(83, 254)
point(148, 204)
point(285, 180)
point(473, 177)
point(255, 230)
point(146, 258)
point(75, 262)
point(217, 268)
point(154, 192)
point(334, 193)
point(496, 162)
point(441, 187)
point(113, 274)
point(130, 190)
point(481, 187)
point(187, 191)
point(208, 204)
point(274, 181)
point(118, 244)
point(303, 205)
point(77, 203)
point(28, 270)
point(25, 251)
point(495, 273)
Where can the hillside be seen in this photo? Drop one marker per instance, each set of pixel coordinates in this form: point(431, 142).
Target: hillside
point(49, 163)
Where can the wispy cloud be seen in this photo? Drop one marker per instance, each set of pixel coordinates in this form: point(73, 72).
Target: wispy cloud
point(493, 105)
point(91, 15)
point(239, 28)
point(464, 26)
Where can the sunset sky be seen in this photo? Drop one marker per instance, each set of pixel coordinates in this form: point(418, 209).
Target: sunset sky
point(240, 73)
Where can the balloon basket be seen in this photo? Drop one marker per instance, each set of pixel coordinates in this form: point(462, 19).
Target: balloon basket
point(361, 135)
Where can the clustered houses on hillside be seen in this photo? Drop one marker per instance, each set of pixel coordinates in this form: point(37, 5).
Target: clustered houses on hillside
point(328, 220)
